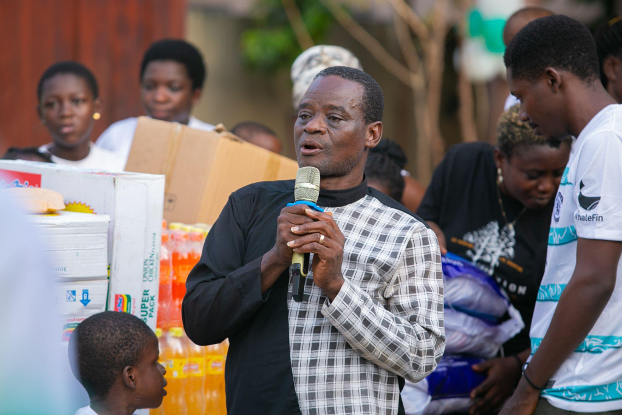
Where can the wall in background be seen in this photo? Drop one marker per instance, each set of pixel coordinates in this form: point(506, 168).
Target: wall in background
point(108, 36)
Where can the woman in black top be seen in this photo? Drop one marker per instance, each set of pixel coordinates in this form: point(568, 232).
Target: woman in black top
point(493, 206)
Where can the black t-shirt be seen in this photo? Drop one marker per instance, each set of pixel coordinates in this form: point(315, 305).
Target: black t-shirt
point(463, 200)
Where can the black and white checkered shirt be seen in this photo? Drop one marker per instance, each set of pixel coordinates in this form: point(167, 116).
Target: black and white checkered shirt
point(341, 357)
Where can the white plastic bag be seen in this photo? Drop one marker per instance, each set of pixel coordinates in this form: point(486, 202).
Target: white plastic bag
point(466, 334)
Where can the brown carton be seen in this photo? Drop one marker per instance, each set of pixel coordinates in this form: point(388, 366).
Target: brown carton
point(202, 168)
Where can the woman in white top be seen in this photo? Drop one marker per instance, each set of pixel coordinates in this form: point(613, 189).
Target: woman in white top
point(171, 78)
point(69, 105)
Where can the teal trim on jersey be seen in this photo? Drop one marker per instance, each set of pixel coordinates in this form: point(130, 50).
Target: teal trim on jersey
point(593, 394)
point(550, 293)
point(562, 235)
point(593, 344)
point(564, 181)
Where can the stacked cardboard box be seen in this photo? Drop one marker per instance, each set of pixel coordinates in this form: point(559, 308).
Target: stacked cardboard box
point(133, 202)
point(77, 246)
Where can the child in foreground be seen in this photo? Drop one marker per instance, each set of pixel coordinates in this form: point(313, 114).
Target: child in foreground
point(114, 355)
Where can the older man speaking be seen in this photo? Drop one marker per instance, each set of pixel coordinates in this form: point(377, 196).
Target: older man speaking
point(372, 311)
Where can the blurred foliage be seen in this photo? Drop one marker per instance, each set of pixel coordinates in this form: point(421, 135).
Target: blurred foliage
point(271, 43)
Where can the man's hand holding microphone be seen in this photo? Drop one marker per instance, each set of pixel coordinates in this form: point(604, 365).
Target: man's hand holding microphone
point(304, 230)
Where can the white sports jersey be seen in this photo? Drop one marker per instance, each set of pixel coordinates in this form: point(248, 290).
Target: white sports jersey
point(118, 136)
point(588, 205)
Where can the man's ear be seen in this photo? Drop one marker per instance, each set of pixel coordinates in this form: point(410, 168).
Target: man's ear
point(374, 134)
point(499, 157)
point(553, 79)
point(196, 96)
point(611, 67)
point(129, 377)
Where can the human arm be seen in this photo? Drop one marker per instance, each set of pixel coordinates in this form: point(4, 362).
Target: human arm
point(579, 306)
point(503, 374)
point(406, 335)
point(223, 293)
point(440, 236)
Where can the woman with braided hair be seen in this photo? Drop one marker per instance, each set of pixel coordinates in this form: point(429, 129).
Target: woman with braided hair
point(493, 206)
point(608, 39)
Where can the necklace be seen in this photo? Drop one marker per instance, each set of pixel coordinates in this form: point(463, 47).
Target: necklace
point(513, 223)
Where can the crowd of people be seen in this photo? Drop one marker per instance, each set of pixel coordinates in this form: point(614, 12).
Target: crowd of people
point(540, 212)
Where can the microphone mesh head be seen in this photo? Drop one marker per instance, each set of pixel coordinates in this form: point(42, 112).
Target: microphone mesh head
point(307, 186)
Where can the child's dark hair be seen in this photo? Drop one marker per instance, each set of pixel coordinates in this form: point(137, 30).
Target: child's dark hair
point(513, 133)
point(17, 153)
point(103, 345)
point(179, 51)
point(69, 67)
point(608, 39)
point(384, 164)
point(556, 41)
point(250, 129)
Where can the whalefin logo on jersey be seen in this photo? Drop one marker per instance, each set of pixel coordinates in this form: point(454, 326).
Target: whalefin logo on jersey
point(587, 202)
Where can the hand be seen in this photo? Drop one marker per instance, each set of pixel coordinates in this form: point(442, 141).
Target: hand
point(440, 236)
point(503, 376)
point(523, 402)
point(280, 256)
point(328, 255)
point(290, 217)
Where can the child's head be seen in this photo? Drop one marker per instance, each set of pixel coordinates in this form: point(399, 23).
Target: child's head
point(171, 78)
point(258, 134)
point(520, 19)
point(609, 46)
point(68, 101)
point(117, 351)
point(552, 64)
point(383, 169)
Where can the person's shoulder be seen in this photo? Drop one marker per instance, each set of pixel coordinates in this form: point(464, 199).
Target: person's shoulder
point(392, 204)
point(128, 123)
point(118, 130)
point(195, 123)
point(86, 410)
point(265, 188)
point(111, 159)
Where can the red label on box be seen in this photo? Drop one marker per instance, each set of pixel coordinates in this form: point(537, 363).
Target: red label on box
point(13, 179)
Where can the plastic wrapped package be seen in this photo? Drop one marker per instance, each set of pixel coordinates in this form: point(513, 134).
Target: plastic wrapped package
point(446, 390)
point(470, 290)
point(466, 334)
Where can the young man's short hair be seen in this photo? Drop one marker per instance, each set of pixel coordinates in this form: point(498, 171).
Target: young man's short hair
point(556, 41)
point(103, 345)
point(179, 51)
point(373, 97)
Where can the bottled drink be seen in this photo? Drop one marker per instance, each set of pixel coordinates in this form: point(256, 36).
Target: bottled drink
point(195, 388)
point(177, 356)
point(165, 294)
point(181, 268)
point(195, 245)
point(215, 379)
point(162, 346)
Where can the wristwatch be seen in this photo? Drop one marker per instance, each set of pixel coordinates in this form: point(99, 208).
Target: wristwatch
point(527, 378)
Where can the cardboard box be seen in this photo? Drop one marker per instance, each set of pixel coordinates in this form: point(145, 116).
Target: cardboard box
point(202, 168)
point(77, 244)
point(76, 301)
point(134, 204)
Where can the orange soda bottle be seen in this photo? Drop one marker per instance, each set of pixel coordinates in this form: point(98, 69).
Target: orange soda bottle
point(181, 269)
point(177, 356)
point(215, 379)
point(195, 387)
point(165, 294)
point(162, 346)
point(195, 245)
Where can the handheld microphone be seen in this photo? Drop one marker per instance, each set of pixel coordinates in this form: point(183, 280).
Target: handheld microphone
point(306, 191)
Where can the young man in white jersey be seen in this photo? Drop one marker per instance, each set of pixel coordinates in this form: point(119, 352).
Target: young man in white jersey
point(576, 334)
